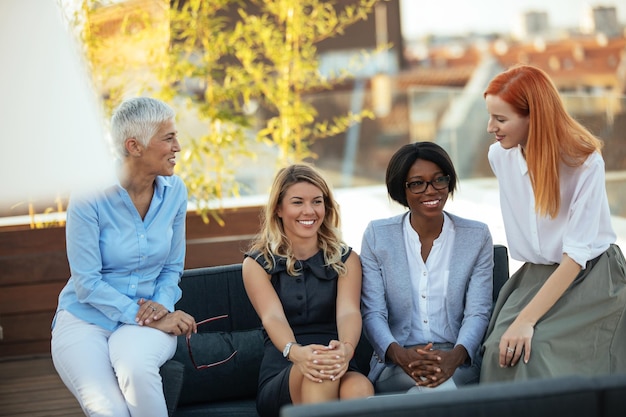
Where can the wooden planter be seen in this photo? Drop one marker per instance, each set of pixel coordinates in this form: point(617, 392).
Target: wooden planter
point(34, 269)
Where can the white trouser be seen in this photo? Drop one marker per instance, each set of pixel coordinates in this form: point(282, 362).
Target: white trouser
point(113, 374)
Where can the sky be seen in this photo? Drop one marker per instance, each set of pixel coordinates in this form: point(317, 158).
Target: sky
point(444, 17)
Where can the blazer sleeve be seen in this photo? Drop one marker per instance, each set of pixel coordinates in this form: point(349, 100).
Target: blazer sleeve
point(373, 296)
point(478, 295)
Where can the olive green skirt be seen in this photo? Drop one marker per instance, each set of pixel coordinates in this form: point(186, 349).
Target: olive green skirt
point(584, 333)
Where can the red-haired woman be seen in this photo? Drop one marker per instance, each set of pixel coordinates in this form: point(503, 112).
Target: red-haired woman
point(562, 312)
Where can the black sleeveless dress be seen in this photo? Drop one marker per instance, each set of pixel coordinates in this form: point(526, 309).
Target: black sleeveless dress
point(309, 301)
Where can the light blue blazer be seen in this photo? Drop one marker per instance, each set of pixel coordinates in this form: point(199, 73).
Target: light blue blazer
point(387, 295)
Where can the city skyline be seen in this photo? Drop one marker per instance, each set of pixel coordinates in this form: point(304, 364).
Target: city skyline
point(457, 17)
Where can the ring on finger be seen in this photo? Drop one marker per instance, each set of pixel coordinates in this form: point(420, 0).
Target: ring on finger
point(153, 308)
point(510, 350)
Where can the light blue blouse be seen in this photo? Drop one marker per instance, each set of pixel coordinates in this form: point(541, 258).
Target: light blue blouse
point(116, 258)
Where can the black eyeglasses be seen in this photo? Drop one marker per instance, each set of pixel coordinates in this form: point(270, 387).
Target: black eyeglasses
point(419, 186)
point(211, 365)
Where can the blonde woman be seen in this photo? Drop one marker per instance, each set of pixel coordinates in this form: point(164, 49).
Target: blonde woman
point(305, 285)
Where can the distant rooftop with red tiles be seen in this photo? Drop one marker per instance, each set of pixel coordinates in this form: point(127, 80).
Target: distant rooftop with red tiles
point(580, 63)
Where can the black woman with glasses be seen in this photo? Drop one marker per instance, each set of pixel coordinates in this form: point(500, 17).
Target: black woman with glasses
point(427, 280)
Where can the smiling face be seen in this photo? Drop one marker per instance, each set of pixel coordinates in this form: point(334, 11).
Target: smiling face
point(159, 157)
point(509, 128)
point(431, 202)
point(302, 211)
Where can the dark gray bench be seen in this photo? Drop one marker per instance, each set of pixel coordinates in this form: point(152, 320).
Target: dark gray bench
point(574, 396)
point(230, 388)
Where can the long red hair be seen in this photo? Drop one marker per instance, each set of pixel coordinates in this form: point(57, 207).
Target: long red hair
point(553, 135)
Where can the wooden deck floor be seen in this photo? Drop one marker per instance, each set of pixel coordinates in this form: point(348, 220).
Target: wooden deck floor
point(30, 387)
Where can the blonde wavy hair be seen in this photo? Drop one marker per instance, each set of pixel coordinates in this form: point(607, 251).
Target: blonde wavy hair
point(553, 135)
point(272, 240)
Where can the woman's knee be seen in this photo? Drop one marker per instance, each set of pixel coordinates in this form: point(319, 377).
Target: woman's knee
point(100, 404)
point(141, 346)
point(136, 373)
point(355, 385)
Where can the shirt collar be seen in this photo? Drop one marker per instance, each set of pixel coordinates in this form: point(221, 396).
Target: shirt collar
point(447, 228)
point(160, 181)
point(161, 184)
point(523, 166)
point(315, 264)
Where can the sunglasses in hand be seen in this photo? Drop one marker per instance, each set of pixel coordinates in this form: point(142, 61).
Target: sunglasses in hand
point(193, 362)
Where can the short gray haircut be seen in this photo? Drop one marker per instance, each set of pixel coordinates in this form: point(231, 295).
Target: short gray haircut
point(139, 118)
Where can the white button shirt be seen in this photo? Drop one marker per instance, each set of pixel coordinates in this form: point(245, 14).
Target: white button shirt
point(582, 229)
point(429, 283)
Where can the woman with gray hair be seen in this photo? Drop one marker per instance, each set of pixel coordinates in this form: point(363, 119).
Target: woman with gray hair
point(115, 323)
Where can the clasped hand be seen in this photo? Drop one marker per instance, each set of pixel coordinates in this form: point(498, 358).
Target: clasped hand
point(155, 315)
point(322, 362)
point(427, 367)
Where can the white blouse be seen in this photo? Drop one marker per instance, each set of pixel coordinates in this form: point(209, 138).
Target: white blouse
point(429, 282)
point(582, 229)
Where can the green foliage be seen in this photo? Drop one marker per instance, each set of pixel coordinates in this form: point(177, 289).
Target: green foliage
point(196, 72)
point(215, 69)
point(124, 46)
point(276, 49)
